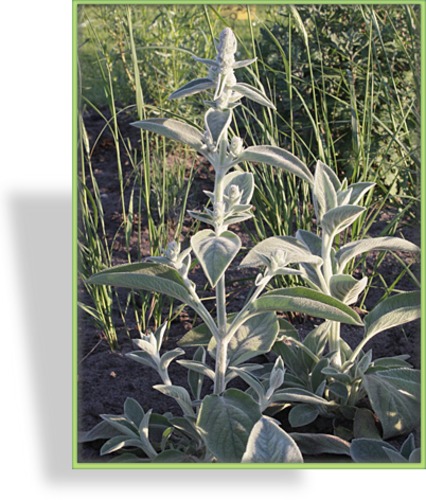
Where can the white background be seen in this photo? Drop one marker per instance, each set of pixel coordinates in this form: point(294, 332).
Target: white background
point(35, 259)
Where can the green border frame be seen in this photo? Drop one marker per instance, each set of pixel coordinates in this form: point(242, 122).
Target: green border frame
point(75, 463)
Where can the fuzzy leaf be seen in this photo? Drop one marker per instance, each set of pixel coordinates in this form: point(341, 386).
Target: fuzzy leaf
point(217, 122)
point(197, 366)
point(215, 253)
point(302, 414)
point(173, 129)
point(395, 398)
point(346, 288)
point(102, 430)
point(133, 411)
point(358, 190)
point(295, 251)
point(364, 450)
point(268, 443)
point(306, 301)
point(180, 394)
point(338, 219)
point(226, 422)
point(193, 87)
point(325, 197)
point(277, 157)
point(393, 311)
point(318, 444)
point(296, 395)
point(147, 276)
point(198, 336)
point(351, 250)
point(256, 336)
point(253, 94)
point(244, 180)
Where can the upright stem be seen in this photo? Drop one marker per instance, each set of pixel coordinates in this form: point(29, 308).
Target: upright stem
point(222, 344)
point(334, 337)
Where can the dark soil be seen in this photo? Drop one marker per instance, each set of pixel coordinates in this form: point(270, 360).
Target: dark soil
point(106, 378)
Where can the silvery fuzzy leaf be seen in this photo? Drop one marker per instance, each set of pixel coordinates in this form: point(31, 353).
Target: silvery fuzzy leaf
point(144, 436)
point(117, 443)
point(179, 394)
point(173, 129)
point(197, 336)
point(364, 363)
point(215, 253)
point(217, 123)
point(235, 219)
point(324, 192)
point(208, 62)
point(316, 340)
point(256, 336)
point(243, 63)
point(365, 450)
point(143, 358)
point(338, 219)
point(306, 301)
point(148, 276)
point(408, 446)
point(122, 425)
point(355, 248)
point(344, 197)
point(296, 395)
point(193, 87)
point(277, 157)
point(389, 363)
point(358, 190)
point(365, 424)
point(395, 398)
point(393, 311)
point(415, 456)
point(102, 430)
point(169, 356)
point(253, 94)
point(318, 444)
point(329, 172)
point(296, 252)
point(146, 346)
point(133, 411)
point(251, 381)
point(346, 288)
point(201, 216)
point(339, 389)
point(310, 240)
point(394, 456)
point(269, 443)
point(245, 182)
point(302, 414)
point(225, 423)
point(197, 366)
point(276, 377)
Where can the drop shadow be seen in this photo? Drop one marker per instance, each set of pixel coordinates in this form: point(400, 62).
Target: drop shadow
point(42, 241)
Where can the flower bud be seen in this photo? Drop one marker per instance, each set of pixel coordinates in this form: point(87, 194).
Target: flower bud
point(236, 146)
point(278, 260)
point(234, 194)
point(172, 251)
point(226, 48)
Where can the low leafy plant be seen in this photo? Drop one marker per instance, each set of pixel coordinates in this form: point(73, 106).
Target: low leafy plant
point(342, 375)
point(219, 422)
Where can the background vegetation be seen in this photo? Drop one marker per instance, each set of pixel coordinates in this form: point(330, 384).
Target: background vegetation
point(346, 83)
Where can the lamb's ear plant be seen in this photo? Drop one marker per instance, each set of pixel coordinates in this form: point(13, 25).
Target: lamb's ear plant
point(226, 424)
point(323, 363)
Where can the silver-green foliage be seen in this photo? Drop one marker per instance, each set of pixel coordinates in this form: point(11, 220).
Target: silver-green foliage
point(228, 424)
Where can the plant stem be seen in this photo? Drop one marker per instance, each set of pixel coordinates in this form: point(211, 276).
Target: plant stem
point(327, 271)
